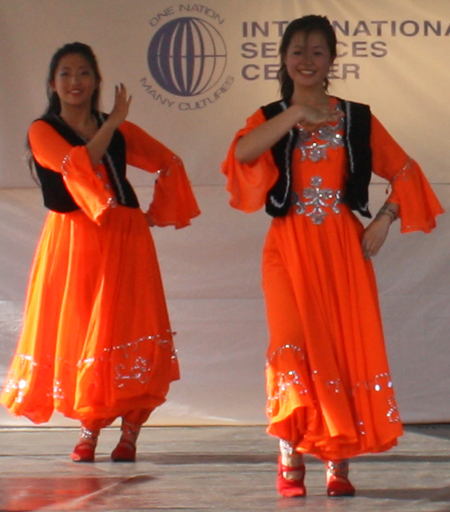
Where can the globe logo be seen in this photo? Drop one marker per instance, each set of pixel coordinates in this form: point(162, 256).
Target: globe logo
point(187, 56)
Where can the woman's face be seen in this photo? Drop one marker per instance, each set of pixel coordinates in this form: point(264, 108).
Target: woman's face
point(308, 59)
point(74, 81)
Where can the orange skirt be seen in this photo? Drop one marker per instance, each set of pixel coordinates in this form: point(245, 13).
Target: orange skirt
point(329, 388)
point(96, 339)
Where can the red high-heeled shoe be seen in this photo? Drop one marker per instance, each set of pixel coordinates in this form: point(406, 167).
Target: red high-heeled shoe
point(338, 483)
point(287, 487)
point(125, 451)
point(84, 450)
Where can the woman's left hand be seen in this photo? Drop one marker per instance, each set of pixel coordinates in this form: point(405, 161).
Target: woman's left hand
point(121, 106)
point(374, 235)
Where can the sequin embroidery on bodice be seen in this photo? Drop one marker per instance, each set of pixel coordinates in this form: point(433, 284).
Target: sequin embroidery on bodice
point(316, 201)
point(318, 172)
point(314, 145)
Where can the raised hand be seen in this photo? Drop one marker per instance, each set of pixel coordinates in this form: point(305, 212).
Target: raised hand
point(311, 118)
point(99, 143)
point(121, 105)
point(264, 136)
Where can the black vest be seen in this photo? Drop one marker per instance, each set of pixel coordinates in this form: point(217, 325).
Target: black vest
point(54, 191)
point(357, 129)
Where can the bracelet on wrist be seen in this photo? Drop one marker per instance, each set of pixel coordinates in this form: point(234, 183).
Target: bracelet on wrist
point(389, 211)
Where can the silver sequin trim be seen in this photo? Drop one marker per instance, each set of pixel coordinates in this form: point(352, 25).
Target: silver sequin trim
point(286, 448)
point(402, 173)
point(88, 434)
point(167, 171)
point(328, 137)
point(137, 369)
point(63, 165)
point(338, 468)
point(286, 380)
point(317, 202)
point(298, 350)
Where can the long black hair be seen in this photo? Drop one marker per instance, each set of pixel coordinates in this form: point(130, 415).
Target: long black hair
point(54, 103)
point(307, 25)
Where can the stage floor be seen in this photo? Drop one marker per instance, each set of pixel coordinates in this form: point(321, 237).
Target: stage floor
point(213, 468)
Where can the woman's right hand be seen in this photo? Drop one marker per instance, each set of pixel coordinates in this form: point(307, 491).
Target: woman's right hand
point(263, 137)
point(121, 106)
point(312, 118)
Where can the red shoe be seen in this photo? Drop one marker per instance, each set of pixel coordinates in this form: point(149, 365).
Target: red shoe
point(84, 451)
point(338, 483)
point(125, 451)
point(290, 488)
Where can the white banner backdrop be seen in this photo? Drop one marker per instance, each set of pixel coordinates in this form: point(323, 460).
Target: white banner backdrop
point(391, 55)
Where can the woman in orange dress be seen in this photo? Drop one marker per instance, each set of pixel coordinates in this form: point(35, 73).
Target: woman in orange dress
point(308, 158)
point(96, 342)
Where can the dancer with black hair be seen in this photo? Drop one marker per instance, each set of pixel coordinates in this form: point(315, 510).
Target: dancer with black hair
point(96, 342)
point(308, 159)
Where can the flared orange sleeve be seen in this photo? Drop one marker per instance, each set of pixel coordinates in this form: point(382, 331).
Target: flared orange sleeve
point(87, 186)
point(249, 183)
point(173, 203)
point(418, 204)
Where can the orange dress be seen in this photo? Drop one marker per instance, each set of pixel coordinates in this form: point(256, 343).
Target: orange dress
point(328, 383)
point(96, 341)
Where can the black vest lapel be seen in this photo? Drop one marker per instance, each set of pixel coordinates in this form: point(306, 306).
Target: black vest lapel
point(359, 153)
point(279, 196)
point(56, 196)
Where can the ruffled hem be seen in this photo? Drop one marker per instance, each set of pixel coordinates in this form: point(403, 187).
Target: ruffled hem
point(96, 336)
point(332, 448)
point(29, 391)
point(321, 417)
